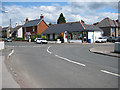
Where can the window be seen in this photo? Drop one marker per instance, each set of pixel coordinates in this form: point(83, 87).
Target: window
point(33, 29)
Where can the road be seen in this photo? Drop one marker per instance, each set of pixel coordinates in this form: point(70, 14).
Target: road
point(62, 66)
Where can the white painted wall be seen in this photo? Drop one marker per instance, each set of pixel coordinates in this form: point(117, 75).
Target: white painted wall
point(51, 36)
point(65, 34)
point(20, 33)
point(97, 34)
point(56, 36)
point(94, 35)
point(90, 36)
point(2, 45)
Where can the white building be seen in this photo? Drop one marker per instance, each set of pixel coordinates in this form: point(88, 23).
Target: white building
point(17, 32)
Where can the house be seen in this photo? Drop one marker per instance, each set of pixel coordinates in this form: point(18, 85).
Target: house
point(110, 27)
point(5, 32)
point(30, 28)
point(17, 32)
point(73, 31)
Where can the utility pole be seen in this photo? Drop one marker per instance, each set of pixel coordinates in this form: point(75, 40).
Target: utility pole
point(9, 34)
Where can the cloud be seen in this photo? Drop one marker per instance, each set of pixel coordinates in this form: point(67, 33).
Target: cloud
point(72, 11)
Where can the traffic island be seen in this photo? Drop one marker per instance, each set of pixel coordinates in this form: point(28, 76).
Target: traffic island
point(105, 50)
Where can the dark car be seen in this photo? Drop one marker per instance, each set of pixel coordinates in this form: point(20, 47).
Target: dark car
point(111, 39)
point(8, 40)
point(118, 39)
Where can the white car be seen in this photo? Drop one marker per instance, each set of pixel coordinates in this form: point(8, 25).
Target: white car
point(101, 39)
point(41, 41)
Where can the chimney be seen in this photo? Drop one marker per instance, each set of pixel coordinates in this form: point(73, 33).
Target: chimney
point(27, 19)
point(41, 17)
point(50, 23)
point(16, 24)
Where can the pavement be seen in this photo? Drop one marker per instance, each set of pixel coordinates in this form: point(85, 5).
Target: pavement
point(6, 77)
point(105, 50)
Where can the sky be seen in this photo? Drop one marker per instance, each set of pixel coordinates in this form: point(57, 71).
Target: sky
point(90, 12)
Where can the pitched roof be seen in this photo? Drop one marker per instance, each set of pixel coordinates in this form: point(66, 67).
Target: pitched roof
point(32, 23)
point(16, 28)
point(107, 22)
point(5, 28)
point(70, 27)
point(91, 27)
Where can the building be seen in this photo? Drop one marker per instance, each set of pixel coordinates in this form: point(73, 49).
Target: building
point(73, 31)
point(5, 32)
point(17, 32)
point(110, 27)
point(30, 28)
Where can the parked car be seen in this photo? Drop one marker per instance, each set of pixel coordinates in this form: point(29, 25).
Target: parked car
point(118, 39)
point(111, 39)
point(8, 40)
point(101, 39)
point(41, 41)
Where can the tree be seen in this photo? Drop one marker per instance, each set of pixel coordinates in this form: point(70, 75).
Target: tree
point(61, 19)
point(82, 21)
point(95, 23)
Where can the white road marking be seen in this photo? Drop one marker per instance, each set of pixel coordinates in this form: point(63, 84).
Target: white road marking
point(25, 46)
point(48, 50)
point(110, 73)
point(10, 53)
point(70, 61)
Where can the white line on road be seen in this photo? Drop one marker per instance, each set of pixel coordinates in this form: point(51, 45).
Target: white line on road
point(48, 50)
point(110, 73)
point(70, 61)
point(10, 53)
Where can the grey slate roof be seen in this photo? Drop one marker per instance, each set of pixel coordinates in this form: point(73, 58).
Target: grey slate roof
point(107, 22)
point(59, 28)
point(70, 27)
point(16, 28)
point(5, 28)
point(92, 27)
point(32, 23)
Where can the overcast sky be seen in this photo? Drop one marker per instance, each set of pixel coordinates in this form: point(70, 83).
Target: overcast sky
point(90, 12)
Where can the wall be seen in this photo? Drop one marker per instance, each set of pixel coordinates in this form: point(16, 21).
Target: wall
point(106, 31)
point(51, 36)
point(42, 27)
point(97, 34)
point(20, 33)
point(2, 45)
point(90, 36)
point(94, 35)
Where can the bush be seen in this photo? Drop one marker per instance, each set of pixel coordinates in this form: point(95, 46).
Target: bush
point(38, 35)
point(60, 37)
point(19, 38)
point(43, 37)
point(32, 39)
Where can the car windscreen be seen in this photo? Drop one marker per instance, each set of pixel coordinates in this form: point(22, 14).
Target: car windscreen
point(40, 39)
point(100, 37)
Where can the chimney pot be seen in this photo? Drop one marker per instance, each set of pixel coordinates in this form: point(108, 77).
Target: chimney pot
point(41, 17)
point(27, 19)
point(16, 24)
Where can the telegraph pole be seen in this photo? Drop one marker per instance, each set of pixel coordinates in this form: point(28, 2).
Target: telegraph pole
point(9, 29)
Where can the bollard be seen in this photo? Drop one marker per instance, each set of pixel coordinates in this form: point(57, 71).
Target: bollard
point(117, 47)
point(2, 45)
